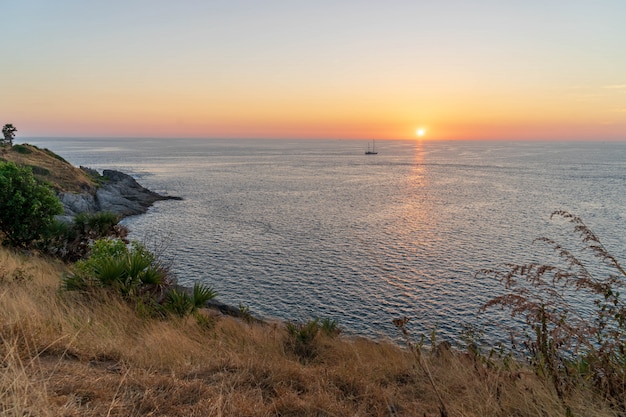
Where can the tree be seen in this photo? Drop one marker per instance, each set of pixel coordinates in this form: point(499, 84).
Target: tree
point(9, 133)
point(27, 208)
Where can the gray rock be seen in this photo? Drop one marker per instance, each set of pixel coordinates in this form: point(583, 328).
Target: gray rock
point(119, 193)
point(78, 203)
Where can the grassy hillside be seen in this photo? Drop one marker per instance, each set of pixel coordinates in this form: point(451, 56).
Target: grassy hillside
point(49, 167)
point(91, 353)
point(64, 354)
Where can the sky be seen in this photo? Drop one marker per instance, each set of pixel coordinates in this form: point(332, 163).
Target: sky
point(481, 69)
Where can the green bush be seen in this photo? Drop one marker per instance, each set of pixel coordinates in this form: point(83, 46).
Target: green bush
point(71, 241)
point(21, 149)
point(303, 338)
point(180, 303)
point(98, 224)
point(137, 275)
point(329, 327)
point(202, 294)
point(27, 208)
point(131, 270)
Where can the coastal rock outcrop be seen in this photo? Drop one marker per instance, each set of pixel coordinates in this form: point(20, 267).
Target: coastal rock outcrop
point(119, 193)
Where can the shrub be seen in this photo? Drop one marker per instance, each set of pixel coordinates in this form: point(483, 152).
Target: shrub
point(329, 327)
point(137, 275)
point(574, 314)
point(27, 208)
point(202, 294)
point(180, 303)
point(21, 149)
point(130, 270)
point(303, 338)
point(71, 242)
point(98, 224)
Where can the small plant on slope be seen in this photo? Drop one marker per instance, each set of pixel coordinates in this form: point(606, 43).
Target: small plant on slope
point(329, 327)
point(416, 351)
point(179, 303)
point(303, 338)
point(182, 304)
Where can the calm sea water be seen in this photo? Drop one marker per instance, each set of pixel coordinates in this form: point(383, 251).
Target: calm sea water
point(296, 229)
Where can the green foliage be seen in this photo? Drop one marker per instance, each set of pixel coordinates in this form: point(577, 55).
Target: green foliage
point(180, 303)
point(303, 338)
point(27, 208)
point(244, 313)
point(201, 294)
point(115, 272)
point(329, 327)
point(54, 155)
point(102, 249)
point(204, 321)
point(574, 314)
point(39, 170)
point(147, 307)
point(21, 149)
point(71, 242)
point(98, 224)
point(76, 282)
point(132, 271)
point(137, 275)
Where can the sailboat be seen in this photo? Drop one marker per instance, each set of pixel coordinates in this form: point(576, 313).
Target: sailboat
point(373, 150)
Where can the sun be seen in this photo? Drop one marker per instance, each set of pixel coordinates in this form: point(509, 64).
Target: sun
point(420, 132)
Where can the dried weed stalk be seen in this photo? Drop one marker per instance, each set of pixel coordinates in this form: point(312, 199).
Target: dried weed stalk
point(574, 315)
point(416, 350)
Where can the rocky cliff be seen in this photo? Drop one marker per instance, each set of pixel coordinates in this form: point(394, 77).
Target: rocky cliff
point(83, 190)
point(119, 193)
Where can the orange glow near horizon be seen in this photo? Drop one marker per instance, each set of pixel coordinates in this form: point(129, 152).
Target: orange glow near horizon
point(260, 112)
point(139, 118)
point(267, 71)
point(265, 111)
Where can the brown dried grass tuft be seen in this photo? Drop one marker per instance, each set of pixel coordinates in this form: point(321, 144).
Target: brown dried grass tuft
point(64, 354)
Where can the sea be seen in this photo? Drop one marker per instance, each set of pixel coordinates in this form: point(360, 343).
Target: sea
point(300, 229)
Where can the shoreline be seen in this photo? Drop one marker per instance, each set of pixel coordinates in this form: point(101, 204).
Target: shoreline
point(119, 193)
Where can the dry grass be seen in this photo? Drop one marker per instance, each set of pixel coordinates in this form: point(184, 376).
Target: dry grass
point(60, 174)
point(66, 355)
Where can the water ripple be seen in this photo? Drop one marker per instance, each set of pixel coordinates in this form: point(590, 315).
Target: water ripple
point(299, 229)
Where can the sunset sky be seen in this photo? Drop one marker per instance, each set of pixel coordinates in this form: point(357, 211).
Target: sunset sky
point(484, 69)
